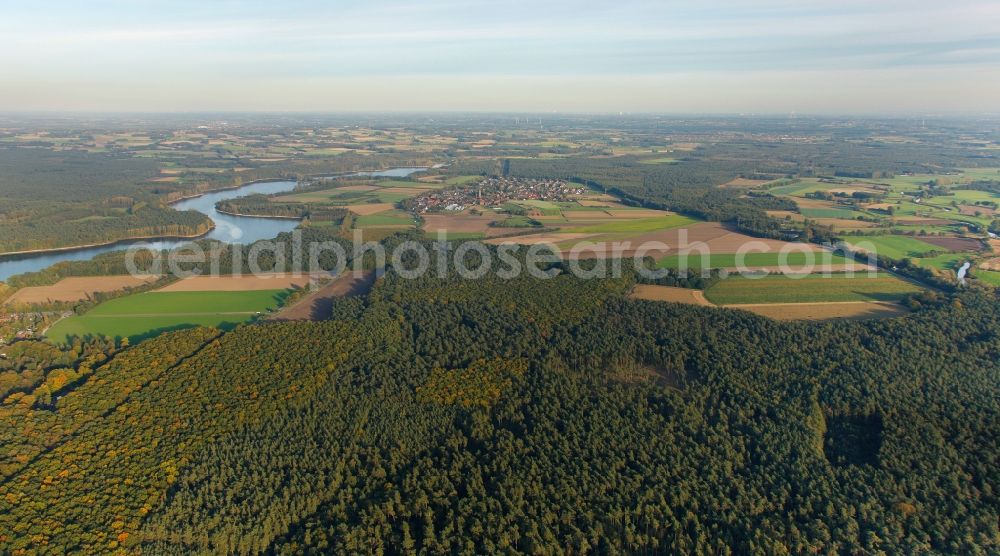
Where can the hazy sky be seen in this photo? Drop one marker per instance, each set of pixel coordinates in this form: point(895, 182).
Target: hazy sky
point(625, 55)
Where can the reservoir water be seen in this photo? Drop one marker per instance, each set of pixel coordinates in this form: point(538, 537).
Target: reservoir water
point(228, 228)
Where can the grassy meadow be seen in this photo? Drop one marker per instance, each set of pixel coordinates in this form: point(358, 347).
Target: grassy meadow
point(794, 259)
point(147, 314)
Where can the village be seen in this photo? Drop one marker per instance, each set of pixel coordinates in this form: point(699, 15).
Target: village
point(492, 193)
point(22, 326)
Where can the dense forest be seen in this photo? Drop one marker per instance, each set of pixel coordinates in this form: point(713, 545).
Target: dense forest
point(441, 415)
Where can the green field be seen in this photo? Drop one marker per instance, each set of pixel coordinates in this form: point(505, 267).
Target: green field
point(638, 225)
point(389, 218)
point(808, 289)
point(989, 276)
point(147, 314)
point(895, 247)
point(794, 260)
point(972, 195)
point(547, 208)
point(948, 261)
point(829, 213)
point(462, 180)
point(800, 188)
point(134, 328)
point(521, 222)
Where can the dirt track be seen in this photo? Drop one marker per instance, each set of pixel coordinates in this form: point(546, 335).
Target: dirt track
point(318, 305)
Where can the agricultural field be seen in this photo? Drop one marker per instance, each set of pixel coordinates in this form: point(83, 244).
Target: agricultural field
point(896, 247)
point(740, 290)
point(624, 224)
point(464, 225)
point(148, 314)
point(660, 160)
point(991, 277)
point(795, 260)
point(688, 296)
point(75, 289)
point(847, 310)
point(948, 261)
point(229, 283)
point(389, 218)
point(796, 311)
point(905, 216)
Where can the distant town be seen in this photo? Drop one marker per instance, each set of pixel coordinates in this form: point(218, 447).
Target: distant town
point(492, 193)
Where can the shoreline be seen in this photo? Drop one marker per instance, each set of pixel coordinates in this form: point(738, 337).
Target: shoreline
point(221, 189)
point(30, 252)
point(13, 255)
point(227, 213)
point(125, 241)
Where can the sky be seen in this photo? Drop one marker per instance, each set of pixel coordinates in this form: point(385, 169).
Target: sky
point(633, 56)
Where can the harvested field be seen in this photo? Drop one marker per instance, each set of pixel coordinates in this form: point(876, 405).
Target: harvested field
point(460, 223)
point(732, 242)
point(582, 251)
point(785, 214)
point(540, 238)
point(955, 243)
point(679, 238)
point(851, 310)
point(367, 209)
point(667, 293)
point(743, 183)
point(405, 190)
point(73, 289)
point(714, 236)
point(991, 264)
point(238, 283)
point(610, 202)
point(357, 188)
point(971, 210)
point(318, 305)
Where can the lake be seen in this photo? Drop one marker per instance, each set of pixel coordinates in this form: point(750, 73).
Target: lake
point(228, 228)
